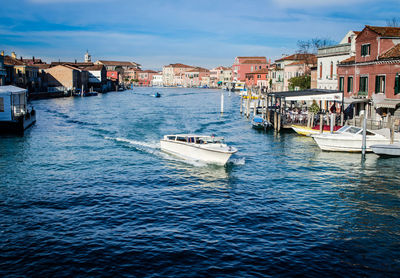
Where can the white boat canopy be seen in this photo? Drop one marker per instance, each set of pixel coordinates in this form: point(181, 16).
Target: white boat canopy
point(11, 89)
point(310, 94)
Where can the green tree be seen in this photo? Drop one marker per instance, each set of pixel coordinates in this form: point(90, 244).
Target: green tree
point(303, 82)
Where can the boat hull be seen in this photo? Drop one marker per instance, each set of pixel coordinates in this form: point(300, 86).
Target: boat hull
point(386, 149)
point(342, 144)
point(195, 152)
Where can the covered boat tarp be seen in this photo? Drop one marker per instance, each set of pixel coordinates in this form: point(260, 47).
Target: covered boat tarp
point(258, 120)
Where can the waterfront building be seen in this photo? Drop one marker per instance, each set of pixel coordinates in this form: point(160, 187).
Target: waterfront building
point(145, 77)
point(374, 72)
point(157, 80)
point(330, 56)
point(196, 77)
point(173, 74)
point(275, 78)
point(115, 65)
point(66, 78)
point(97, 77)
point(243, 65)
point(299, 64)
point(130, 75)
point(220, 76)
point(257, 78)
point(2, 71)
point(21, 74)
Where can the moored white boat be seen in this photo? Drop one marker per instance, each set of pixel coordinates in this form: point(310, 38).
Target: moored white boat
point(209, 149)
point(349, 139)
point(386, 149)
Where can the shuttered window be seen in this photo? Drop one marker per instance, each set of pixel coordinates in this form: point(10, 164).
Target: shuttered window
point(350, 84)
point(363, 84)
point(365, 49)
point(396, 84)
point(380, 84)
point(341, 84)
point(1, 104)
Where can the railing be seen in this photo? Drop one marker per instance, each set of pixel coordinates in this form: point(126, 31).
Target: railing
point(340, 48)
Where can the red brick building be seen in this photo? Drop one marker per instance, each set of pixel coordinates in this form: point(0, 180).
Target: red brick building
point(375, 69)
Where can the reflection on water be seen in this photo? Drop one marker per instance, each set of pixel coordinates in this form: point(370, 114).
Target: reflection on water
point(89, 184)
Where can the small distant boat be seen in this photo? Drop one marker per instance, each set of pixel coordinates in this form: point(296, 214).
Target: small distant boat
point(386, 149)
point(349, 139)
point(259, 123)
point(209, 149)
point(157, 94)
point(308, 131)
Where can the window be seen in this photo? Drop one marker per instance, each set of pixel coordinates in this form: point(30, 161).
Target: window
point(1, 104)
point(331, 70)
point(320, 70)
point(258, 75)
point(251, 68)
point(341, 84)
point(365, 49)
point(380, 84)
point(363, 84)
point(397, 84)
point(350, 84)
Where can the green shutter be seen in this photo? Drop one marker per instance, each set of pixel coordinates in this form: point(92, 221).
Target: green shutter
point(397, 84)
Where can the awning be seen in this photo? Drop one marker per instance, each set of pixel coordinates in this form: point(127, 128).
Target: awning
point(349, 100)
point(328, 97)
point(387, 103)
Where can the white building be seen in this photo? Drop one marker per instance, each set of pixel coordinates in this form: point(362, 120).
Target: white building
point(157, 80)
point(329, 57)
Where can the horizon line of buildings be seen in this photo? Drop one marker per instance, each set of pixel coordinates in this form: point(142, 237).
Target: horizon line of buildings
point(364, 65)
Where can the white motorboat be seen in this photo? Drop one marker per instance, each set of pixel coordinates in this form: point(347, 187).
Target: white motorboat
point(209, 149)
point(349, 139)
point(386, 149)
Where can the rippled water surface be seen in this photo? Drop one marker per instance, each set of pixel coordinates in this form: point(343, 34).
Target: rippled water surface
point(87, 192)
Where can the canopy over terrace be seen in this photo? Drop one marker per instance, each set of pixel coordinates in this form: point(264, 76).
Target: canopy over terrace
point(310, 94)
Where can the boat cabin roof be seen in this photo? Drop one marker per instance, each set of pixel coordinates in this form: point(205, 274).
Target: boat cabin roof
point(9, 89)
point(207, 138)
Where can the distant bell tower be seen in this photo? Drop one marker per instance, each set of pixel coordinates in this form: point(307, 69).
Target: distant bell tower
point(88, 57)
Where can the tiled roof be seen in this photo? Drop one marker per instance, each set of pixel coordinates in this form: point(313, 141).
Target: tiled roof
point(74, 64)
point(252, 58)
point(179, 65)
point(198, 69)
point(260, 71)
point(150, 71)
point(294, 57)
point(254, 62)
point(118, 63)
point(94, 67)
point(349, 60)
point(8, 60)
point(394, 52)
point(385, 31)
point(41, 66)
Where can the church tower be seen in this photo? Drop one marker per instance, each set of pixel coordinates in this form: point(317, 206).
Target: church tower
point(88, 57)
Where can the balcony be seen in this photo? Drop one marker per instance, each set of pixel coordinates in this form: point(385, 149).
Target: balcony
point(362, 94)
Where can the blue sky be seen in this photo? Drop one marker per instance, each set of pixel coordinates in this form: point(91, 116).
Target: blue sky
point(158, 32)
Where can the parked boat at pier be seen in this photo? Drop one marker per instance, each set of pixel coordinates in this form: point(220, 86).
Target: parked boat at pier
point(15, 116)
point(349, 139)
point(386, 149)
point(308, 131)
point(259, 123)
point(209, 149)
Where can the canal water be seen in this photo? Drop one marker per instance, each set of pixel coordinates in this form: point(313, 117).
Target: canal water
point(87, 192)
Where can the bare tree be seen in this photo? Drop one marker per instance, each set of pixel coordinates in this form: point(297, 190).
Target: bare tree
point(393, 22)
point(311, 46)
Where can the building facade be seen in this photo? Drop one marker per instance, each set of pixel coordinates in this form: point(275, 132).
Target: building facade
point(243, 65)
point(328, 59)
point(374, 71)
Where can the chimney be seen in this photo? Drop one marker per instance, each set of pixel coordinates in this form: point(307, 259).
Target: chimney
point(20, 58)
point(75, 61)
point(13, 55)
point(2, 53)
point(33, 59)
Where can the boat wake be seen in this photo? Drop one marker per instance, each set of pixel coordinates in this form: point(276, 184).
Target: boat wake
point(237, 161)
